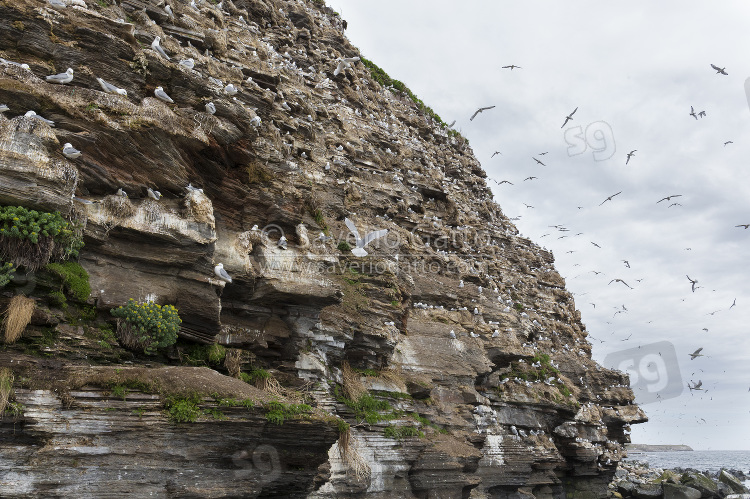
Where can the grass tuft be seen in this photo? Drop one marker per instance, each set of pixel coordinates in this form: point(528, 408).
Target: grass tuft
point(17, 317)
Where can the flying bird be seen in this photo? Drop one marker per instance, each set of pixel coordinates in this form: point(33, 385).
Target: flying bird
point(733, 304)
point(702, 114)
point(495, 154)
point(512, 67)
point(668, 198)
point(695, 354)
point(543, 153)
point(592, 242)
point(674, 204)
point(535, 159)
point(61, 78)
point(743, 225)
point(503, 182)
point(111, 89)
point(696, 386)
point(692, 113)
point(609, 198)
point(529, 178)
point(155, 45)
point(221, 273)
point(361, 242)
point(569, 117)
point(620, 280)
point(627, 263)
point(630, 155)
point(344, 64)
point(693, 282)
point(70, 152)
point(719, 70)
point(162, 95)
point(728, 142)
point(479, 111)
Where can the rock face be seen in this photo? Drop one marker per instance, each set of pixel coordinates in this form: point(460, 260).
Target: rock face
point(512, 405)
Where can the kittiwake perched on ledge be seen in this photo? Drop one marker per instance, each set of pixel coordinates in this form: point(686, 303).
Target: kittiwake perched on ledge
point(188, 63)
point(210, 108)
point(70, 152)
point(61, 78)
point(111, 89)
point(32, 114)
point(22, 66)
point(3, 108)
point(155, 45)
point(230, 89)
point(162, 95)
point(121, 193)
point(221, 273)
point(359, 250)
point(155, 195)
point(282, 242)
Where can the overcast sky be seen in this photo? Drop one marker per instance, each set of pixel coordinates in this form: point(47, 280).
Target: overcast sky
point(633, 70)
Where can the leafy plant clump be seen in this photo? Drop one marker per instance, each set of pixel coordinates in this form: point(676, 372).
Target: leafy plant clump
point(74, 277)
point(183, 410)
point(401, 432)
point(148, 326)
point(31, 238)
point(6, 273)
point(278, 412)
point(254, 376)
point(344, 247)
point(367, 407)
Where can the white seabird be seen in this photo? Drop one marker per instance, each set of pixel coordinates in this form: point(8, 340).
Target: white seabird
point(6, 61)
point(188, 63)
point(32, 114)
point(193, 189)
point(111, 89)
point(255, 122)
point(155, 195)
point(61, 78)
point(162, 95)
point(210, 108)
point(282, 242)
point(221, 273)
point(168, 10)
point(344, 64)
point(3, 108)
point(453, 334)
point(230, 89)
point(57, 4)
point(359, 250)
point(155, 45)
point(70, 152)
point(121, 193)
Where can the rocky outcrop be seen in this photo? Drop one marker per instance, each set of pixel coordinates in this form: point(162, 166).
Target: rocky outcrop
point(475, 367)
point(637, 480)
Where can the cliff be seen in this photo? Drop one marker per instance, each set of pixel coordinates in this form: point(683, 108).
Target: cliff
point(355, 385)
point(657, 448)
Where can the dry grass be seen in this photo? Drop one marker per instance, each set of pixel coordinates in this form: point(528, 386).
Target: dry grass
point(233, 362)
point(127, 337)
point(272, 386)
point(350, 456)
point(17, 317)
point(353, 387)
point(6, 386)
point(200, 208)
point(118, 207)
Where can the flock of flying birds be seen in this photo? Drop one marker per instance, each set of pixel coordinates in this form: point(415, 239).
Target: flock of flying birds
point(696, 386)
